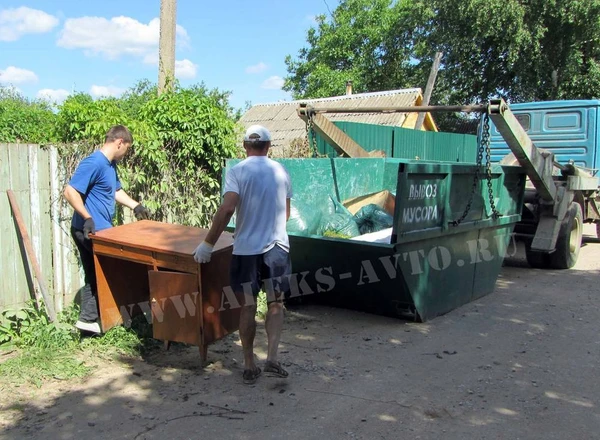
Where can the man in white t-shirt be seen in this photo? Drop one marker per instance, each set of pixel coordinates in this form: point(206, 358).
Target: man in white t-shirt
point(258, 190)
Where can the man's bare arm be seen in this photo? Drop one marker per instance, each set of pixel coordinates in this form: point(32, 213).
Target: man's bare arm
point(222, 217)
point(123, 198)
point(76, 201)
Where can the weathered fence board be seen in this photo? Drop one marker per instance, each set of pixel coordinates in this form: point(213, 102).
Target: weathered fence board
point(35, 175)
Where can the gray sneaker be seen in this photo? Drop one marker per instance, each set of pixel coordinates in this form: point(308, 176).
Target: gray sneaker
point(92, 327)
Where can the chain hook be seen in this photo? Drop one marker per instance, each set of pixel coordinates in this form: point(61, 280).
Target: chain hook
point(484, 147)
point(310, 131)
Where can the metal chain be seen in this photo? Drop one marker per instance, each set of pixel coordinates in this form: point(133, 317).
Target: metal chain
point(310, 129)
point(485, 141)
point(480, 152)
point(484, 147)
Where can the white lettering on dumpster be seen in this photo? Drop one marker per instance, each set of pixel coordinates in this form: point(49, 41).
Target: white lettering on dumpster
point(419, 214)
point(419, 192)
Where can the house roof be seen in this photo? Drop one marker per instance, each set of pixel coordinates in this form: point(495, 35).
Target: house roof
point(282, 120)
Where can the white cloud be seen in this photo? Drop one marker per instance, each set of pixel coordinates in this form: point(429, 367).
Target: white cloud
point(273, 83)
point(14, 23)
point(115, 37)
point(15, 75)
point(53, 95)
point(151, 58)
point(257, 68)
point(104, 91)
point(185, 69)
point(11, 89)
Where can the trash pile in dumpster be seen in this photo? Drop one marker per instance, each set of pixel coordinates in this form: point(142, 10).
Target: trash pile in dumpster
point(357, 218)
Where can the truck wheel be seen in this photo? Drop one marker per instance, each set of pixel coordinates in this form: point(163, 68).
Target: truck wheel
point(537, 260)
point(597, 230)
point(569, 239)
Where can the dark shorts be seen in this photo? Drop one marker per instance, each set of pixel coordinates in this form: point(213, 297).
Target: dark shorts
point(270, 270)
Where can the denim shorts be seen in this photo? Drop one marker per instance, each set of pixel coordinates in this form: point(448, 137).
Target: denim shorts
point(270, 271)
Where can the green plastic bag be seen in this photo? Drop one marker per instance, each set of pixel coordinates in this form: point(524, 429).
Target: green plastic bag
point(372, 218)
point(339, 224)
point(304, 220)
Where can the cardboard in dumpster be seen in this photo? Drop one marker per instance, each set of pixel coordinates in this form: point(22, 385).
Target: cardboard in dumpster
point(383, 199)
point(383, 236)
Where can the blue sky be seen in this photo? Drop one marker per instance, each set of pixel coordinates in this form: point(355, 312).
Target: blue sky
point(48, 48)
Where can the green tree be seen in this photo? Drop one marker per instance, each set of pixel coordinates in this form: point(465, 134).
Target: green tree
point(24, 120)
point(370, 42)
point(522, 50)
point(518, 49)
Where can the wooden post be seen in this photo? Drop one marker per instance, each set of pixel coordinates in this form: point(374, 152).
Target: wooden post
point(34, 262)
point(340, 141)
point(166, 50)
point(429, 88)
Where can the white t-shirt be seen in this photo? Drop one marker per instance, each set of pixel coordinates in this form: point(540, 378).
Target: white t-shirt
point(263, 186)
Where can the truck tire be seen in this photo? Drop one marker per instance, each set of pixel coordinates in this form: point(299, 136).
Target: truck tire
point(597, 230)
point(568, 243)
point(537, 260)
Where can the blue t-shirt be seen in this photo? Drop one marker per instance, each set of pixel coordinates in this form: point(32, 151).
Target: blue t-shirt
point(97, 181)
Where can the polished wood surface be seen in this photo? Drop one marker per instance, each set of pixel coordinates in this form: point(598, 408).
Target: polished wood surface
point(220, 318)
point(122, 290)
point(148, 267)
point(176, 304)
point(160, 237)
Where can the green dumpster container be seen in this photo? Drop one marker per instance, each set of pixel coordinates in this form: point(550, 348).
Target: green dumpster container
point(429, 266)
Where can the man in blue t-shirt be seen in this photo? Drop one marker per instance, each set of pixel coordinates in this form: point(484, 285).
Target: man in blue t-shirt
point(92, 192)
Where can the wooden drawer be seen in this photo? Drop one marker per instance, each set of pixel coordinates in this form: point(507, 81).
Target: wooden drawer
point(123, 252)
point(176, 262)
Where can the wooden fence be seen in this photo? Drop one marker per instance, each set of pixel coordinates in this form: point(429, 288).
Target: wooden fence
point(36, 176)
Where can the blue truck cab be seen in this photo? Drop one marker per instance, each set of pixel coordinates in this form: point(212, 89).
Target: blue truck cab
point(567, 128)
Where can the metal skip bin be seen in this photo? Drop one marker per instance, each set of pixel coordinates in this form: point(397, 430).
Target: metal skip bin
point(431, 265)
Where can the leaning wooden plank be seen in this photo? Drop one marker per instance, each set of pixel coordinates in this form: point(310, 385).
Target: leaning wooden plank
point(34, 262)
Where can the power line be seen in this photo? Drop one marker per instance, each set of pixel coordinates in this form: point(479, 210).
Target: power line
point(330, 13)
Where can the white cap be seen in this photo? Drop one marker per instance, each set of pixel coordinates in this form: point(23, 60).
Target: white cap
point(257, 133)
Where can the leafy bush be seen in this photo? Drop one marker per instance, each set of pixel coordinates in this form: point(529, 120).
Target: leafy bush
point(23, 120)
point(261, 305)
point(29, 327)
point(181, 139)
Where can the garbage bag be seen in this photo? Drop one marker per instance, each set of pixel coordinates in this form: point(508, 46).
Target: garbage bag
point(304, 220)
point(372, 218)
point(340, 224)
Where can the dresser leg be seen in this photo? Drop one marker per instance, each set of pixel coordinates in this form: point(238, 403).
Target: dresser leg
point(204, 354)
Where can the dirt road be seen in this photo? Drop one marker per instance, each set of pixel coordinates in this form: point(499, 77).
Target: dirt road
point(521, 363)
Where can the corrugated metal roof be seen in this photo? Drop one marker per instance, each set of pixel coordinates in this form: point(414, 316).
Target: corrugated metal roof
point(285, 125)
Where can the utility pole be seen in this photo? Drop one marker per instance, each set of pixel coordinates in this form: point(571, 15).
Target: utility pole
point(166, 47)
point(429, 88)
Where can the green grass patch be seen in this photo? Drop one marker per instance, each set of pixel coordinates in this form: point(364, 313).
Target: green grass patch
point(37, 365)
point(46, 350)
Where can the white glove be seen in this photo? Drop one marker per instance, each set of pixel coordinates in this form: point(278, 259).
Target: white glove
point(203, 253)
